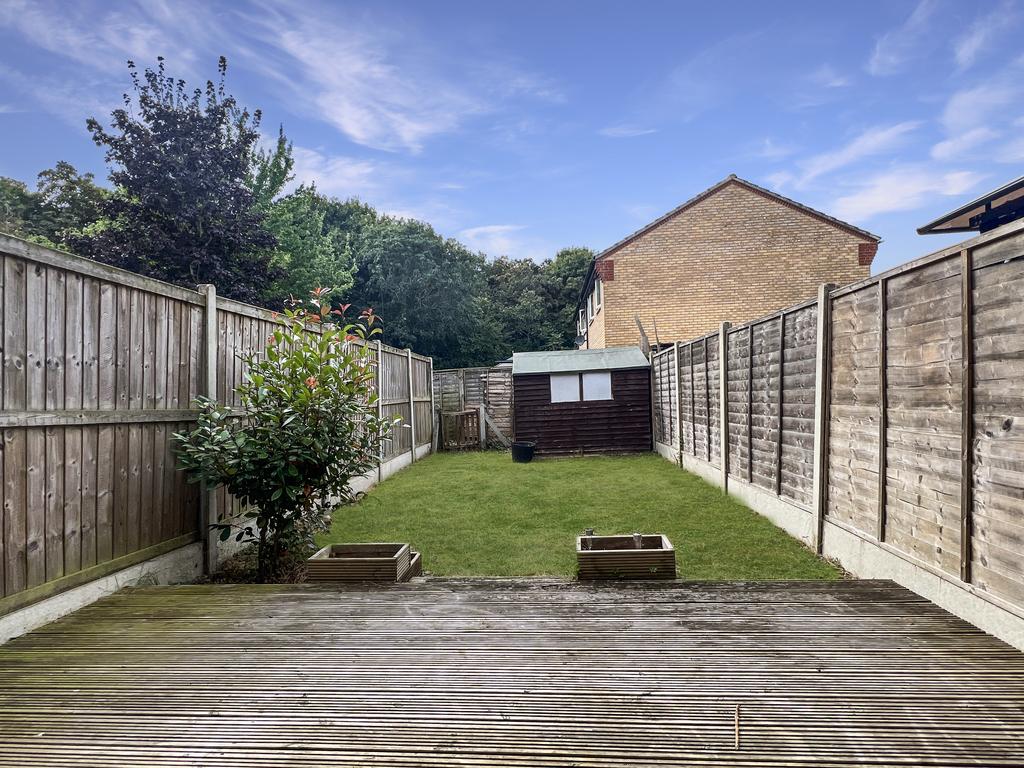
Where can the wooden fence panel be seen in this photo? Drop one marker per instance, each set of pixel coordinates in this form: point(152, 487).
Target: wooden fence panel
point(997, 438)
point(854, 410)
point(460, 388)
point(923, 415)
point(713, 399)
point(499, 399)
point(99, 368)
point(944, 489)
point(396, 401)
point(799, 359)
point(91, 392)
point(764, 403)
point(686, 398)
point(664, 373)
point(423, 416)
point(701, 400)
point(738, 406)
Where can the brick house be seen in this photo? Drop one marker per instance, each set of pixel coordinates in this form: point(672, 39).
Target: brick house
point(734, 252)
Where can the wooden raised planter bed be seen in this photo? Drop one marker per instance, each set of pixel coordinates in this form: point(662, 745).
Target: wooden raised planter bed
point(646, 556)
point(364, 562)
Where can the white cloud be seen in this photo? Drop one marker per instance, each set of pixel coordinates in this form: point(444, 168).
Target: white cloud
point(380, 83)
point(383, 85)
point(897, 46)
point(336, 175)
point(492, 239)
point(873, 141)
point(642, 211)
point(902, 189)
point(826, 76)
point(506, 240)
point(385, 185)
point(967, 47)
point(103, 39)
point(981, 34)
point(971, 107)
point(531, 85)
point(779, 179)
point(955, 147)
point(1012, 152)
point(973, 117)
point(71, 102)
point(625, 131)
point(350, 80)
point(769, 149)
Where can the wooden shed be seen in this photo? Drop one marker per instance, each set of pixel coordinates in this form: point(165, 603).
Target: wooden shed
point(583, 401)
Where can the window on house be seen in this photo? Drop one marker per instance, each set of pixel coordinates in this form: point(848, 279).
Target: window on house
point(573, 387)
point(598, 294)
point(590, 307)
point(581, 323)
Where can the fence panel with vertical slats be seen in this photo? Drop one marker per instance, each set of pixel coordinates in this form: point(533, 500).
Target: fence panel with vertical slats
point(96, 367)
point(395, 398)
point(421, 394)
point(100, 368)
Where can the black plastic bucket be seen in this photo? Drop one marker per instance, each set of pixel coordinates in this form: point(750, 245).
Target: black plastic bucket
point(522, 451)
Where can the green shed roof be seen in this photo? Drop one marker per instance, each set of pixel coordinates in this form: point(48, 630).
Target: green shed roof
point(574, 360)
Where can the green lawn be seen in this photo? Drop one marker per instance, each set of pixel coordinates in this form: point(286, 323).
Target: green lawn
point(478, 514)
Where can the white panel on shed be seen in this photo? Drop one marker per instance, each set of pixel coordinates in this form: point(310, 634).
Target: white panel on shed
point(565, 387)
point(597, 385)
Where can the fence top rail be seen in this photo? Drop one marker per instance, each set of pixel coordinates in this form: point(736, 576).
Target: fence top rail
point(247, 310)
point(459, 370)
point(40, 254)
point(989, 238)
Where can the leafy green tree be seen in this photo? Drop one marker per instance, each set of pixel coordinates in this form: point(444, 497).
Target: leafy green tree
point(307, 256)
point(425, 286)
point(351, 217)
point(19, 209)
point(182, 209)
point(69, 201)
point(564, 280)
point(518, 304)
point(64, 202)
point(271, 171)
point(309, 426)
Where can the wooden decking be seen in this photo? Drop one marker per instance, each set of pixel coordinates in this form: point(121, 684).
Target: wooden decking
point(521, 673)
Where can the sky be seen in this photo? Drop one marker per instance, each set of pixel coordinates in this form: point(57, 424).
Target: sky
point(523, 127)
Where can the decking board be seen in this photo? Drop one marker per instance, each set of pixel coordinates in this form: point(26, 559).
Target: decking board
point(511, 672)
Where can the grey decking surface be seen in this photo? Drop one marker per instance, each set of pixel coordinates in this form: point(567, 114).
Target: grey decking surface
point(539, 673)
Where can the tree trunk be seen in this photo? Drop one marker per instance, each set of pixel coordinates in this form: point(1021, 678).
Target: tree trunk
point(261, 557)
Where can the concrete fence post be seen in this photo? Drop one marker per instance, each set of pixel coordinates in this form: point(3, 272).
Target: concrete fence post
point(723, 402)
point(822, 376)
point(208, 512)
